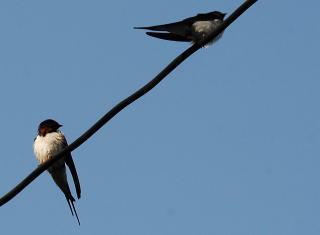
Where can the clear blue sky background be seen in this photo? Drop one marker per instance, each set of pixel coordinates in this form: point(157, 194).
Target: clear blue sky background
point(229, 143)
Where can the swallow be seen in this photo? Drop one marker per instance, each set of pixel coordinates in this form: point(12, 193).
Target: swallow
point(193, 29)
point(50, 141)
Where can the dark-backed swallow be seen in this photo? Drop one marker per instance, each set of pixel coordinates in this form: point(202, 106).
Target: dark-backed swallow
point(193, 29)
point(49, 142)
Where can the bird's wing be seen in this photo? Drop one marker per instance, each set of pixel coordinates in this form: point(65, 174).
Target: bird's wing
point(180, 27)
point(73, 170)
point(199, 17)
point(168, 36)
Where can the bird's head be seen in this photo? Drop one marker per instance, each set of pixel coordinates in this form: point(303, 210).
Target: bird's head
point(218, 15)
point(48, 126)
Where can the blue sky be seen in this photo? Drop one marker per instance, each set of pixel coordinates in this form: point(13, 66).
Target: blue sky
point(229, 143)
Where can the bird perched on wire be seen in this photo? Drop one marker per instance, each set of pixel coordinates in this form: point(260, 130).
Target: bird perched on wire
point(50, 141)
point(193, 29)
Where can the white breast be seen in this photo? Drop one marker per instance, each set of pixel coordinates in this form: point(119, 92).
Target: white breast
point(46, 147)
point(204, 28)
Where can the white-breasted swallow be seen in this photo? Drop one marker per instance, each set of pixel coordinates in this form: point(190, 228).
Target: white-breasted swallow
point(50, 141)
point(193, 29)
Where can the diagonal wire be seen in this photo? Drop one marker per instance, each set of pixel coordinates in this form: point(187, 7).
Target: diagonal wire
point(124, 103)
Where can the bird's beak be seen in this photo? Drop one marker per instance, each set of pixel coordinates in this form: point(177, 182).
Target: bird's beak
point(60, 125)
point(223, 15)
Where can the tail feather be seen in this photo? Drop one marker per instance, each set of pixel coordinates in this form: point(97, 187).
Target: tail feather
point(168, 36)
point(163, 27)
point(69, 205)
point(58, 173)
point(73, 210)
point(141, 28)
point(155, 28)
